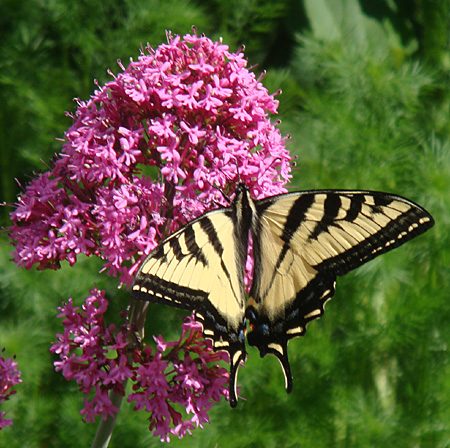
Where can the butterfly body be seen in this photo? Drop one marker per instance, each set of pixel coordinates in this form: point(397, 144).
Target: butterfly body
point(301, 242)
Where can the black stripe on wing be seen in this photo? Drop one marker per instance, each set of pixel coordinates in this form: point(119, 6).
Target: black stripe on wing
point(193, 247)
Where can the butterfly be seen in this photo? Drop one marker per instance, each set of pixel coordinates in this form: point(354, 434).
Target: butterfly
point(301, 242)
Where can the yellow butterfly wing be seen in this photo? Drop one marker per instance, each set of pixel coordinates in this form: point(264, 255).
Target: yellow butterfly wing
point(302, 241)
point(200, 268)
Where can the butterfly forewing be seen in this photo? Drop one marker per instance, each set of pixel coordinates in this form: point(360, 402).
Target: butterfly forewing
point(359, 226)
point(195, 269)
point(302, 241)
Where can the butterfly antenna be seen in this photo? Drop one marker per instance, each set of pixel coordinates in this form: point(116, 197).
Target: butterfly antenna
point(237, 171)
point(224, 195)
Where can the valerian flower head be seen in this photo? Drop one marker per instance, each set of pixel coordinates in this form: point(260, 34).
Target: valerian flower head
point(184, 372)
point(84, 350)
point(189, 108)
point(9, 377)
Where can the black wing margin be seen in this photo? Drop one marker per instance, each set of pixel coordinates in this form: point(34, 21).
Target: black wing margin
point(303, 241)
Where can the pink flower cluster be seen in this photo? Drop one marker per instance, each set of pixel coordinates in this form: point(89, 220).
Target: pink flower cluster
point(84, 349)
point(190, 109)
point(9, 377)
point(183, 372)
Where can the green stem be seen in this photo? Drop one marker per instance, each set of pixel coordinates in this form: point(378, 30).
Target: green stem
point(105, 427)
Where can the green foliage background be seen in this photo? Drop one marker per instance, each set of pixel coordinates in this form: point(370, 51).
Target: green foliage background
point(366, 101)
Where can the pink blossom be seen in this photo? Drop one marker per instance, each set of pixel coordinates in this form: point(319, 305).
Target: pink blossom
point(4, 422)
point(92, 369)
point(183, 372)
point(9, 377)
point(191, 109)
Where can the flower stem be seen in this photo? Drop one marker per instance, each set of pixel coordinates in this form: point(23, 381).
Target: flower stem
point(105, 427)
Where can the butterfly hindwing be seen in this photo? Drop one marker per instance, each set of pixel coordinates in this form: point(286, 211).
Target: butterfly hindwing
point(197, 270)
point(302, 241)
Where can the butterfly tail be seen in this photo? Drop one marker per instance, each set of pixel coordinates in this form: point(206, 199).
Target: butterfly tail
point(235, 360)
point(280, 351)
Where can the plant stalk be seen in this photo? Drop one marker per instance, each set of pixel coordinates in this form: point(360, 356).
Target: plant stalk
point(105, 427)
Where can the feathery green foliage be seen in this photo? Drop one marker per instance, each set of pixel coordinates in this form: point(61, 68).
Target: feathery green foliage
point(366, 101)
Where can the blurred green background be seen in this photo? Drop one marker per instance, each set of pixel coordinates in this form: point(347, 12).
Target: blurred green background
point(366, 100)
